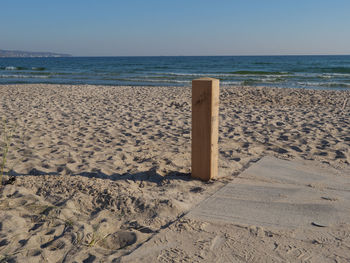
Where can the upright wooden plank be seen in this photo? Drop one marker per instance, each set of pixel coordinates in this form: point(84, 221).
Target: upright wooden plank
point(205, 128)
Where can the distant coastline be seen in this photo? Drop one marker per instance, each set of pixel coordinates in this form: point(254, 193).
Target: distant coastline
point(28, 54)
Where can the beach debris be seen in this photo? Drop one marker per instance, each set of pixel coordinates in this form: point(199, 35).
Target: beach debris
point(134, 225)
point(318, 224)
point(329, 198)
point(197, 189)
point(10, 180)
point(344, 104)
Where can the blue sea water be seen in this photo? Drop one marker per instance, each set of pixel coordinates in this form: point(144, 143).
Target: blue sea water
point(316, 72)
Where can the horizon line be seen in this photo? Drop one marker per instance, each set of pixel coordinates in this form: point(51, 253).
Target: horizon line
point(276, 55)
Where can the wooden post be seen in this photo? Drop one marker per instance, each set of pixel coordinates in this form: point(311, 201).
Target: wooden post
point(205, 128)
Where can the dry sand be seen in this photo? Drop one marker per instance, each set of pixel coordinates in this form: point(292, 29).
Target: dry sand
point(100, 170)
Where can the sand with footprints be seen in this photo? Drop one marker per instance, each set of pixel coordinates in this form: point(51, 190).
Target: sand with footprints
point(101, 169)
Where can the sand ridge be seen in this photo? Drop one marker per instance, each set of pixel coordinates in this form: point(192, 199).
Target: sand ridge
point(118, 158)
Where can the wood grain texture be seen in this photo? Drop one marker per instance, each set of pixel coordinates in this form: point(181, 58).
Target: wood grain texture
point(205, 128)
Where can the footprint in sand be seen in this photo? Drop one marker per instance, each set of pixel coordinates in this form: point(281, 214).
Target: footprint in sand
point(119, 240)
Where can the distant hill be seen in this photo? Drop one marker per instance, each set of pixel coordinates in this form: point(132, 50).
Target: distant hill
point(23, 54)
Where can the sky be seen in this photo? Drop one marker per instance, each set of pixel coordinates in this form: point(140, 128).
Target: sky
point(176, 27)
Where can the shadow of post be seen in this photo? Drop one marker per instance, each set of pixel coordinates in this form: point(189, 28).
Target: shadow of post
point(144, 176)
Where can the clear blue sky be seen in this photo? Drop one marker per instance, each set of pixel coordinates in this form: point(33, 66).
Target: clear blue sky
point(176, 27)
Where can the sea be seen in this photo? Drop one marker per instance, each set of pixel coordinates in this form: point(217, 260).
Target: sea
point(311, 72)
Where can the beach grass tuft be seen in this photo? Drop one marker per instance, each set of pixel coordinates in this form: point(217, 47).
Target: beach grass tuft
point(7, 134)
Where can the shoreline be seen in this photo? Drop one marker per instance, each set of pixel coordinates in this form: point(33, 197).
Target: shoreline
point(116, 159)
point(341, 89)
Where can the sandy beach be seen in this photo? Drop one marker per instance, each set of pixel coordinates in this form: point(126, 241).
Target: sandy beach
point(100, 170)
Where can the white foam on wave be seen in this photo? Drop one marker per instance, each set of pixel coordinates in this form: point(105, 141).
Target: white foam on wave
point(163, 80)
point(283, 74)
point(306, 74)
point(225, 83)
point(152, 80)
point(11, 68)
point(322, 75)
point(179, 74)
point(18, 76)
point(334, 75)
point(324, 84)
